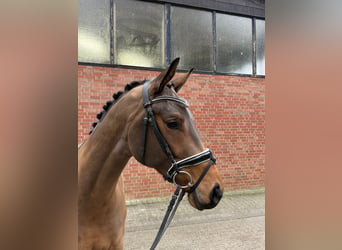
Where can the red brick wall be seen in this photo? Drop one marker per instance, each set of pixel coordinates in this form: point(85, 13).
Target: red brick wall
point(229, 112)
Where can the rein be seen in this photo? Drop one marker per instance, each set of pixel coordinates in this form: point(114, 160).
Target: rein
point(177, 167)
point(170, 212)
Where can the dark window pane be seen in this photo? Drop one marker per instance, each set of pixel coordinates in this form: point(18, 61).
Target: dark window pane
point(192, 38)
point(93, 31)
point(139, 33)
point(260, 47)
point(234, 44)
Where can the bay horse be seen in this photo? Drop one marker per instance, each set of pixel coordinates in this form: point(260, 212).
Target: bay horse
point(151, 123)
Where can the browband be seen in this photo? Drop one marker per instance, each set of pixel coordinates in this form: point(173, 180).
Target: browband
point(169, 98)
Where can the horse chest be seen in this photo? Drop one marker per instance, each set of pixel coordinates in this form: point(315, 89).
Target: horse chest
point(102, 226)
point(105, 233)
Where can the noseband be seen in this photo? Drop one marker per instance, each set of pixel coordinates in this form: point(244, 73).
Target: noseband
point(177, 167)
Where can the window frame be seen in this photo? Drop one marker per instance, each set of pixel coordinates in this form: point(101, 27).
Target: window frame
point(167, 36)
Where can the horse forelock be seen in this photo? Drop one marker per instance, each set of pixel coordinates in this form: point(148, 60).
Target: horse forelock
point(110, 103)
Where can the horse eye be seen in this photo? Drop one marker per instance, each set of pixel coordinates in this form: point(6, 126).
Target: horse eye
point(173, 124)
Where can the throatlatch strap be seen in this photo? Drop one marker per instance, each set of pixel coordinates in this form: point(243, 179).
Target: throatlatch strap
point(143, 149)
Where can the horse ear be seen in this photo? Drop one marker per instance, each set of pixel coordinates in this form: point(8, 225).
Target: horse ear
point(180, 81)
point(158, 84)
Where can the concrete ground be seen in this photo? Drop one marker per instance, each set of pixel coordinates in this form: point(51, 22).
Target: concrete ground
point(237, 222)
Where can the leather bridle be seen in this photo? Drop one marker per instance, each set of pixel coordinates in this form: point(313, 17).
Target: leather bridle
point(177, 167)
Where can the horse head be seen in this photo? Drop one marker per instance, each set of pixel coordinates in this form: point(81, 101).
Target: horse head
point(162, 135)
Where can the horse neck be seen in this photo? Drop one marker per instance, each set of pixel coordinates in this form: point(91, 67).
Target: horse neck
point(104, 155)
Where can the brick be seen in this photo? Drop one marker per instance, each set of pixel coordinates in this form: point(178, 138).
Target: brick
point(229, 113)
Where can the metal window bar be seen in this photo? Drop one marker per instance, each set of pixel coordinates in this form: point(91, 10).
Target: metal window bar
point(111, 25)
point(168, 33)
point(254, 47)
point(214, 41)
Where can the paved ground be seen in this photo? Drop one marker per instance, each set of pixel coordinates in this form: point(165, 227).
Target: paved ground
point(236, 223)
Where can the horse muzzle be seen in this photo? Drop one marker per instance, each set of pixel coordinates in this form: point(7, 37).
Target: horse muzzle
point(215, 196)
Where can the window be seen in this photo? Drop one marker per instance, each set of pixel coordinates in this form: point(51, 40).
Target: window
point(234, 44)
point(139, 33)
point(93, 31)
point(192, 38)
point(151, 34)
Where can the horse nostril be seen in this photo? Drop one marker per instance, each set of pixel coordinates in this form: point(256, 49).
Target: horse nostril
point(216, 194)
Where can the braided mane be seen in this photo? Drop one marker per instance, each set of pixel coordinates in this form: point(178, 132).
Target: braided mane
point(110, 103)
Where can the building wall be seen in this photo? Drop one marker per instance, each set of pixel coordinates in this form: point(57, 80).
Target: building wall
point(229, 112)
